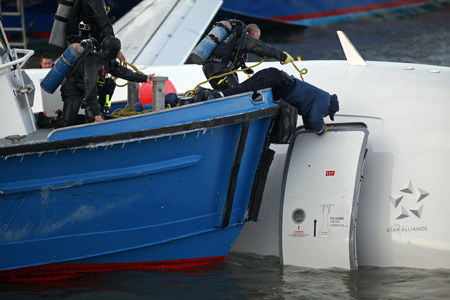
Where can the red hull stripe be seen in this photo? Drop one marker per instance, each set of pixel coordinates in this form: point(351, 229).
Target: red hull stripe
point(345, 11)
point(63, 271)
point(41, 35)
point(34, 35)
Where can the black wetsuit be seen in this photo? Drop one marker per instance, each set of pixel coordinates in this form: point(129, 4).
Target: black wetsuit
point(93, 14)
point(82, 84)
point(220, 62)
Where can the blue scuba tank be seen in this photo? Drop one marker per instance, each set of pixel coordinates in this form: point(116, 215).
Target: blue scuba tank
point(206, 47)
point(64, 64)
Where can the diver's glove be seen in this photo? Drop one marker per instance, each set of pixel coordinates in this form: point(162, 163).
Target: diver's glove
point(288, 59)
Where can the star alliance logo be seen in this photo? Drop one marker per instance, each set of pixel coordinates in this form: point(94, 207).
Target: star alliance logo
point(410, 202)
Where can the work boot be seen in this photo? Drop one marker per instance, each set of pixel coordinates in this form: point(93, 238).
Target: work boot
point(41, 120)
point(211, 94)
point(45, 122)
point(200, 94)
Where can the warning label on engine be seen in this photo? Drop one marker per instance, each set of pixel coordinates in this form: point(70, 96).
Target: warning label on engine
point(298, 233)
point(337, 222)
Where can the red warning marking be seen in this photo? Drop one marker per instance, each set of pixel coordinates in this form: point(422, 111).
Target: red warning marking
point(329, 173)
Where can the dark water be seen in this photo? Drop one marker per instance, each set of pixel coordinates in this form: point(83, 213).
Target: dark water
point(245, 277)
point(420, 38)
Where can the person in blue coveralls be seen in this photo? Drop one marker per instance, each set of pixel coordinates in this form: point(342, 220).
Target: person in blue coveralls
point(312, 103)
point(232, 52)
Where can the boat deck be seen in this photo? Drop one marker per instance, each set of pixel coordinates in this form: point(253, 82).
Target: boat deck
point(40, 135)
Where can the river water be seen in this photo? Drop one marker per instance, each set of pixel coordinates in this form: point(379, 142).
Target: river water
point(244, 276)
point(420, 38)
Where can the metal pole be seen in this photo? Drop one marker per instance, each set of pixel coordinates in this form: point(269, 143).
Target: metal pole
point(159, 92)
point(133, 93)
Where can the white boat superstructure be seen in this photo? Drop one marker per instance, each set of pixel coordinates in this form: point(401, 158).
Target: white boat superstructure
point(17, 92)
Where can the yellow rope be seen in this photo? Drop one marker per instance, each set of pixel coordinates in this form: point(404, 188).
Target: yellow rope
point(123, 62)
point(302, 72)
point(222, 75)
point(127, 111)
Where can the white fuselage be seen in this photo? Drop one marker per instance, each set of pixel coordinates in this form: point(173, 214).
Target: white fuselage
point(404, 199)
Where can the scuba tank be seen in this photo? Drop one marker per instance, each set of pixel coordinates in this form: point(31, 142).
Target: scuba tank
point(64, 64)
point(206, 47)
point(58, 34)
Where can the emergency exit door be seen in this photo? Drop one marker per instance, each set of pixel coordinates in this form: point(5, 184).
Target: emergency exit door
point(320, 192)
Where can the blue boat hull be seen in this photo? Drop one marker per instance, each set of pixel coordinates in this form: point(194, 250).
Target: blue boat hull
point(163, 190)
point(312, 12)
point(39, 15)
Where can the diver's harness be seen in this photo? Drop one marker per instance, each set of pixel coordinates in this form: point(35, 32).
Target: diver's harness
point(89, 46)
point(225, 49)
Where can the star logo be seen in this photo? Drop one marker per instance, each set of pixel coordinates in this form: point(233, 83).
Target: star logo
point(409, 202)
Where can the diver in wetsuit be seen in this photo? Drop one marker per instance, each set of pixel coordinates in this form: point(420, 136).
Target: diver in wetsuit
point(232, 52)
point(81, 85)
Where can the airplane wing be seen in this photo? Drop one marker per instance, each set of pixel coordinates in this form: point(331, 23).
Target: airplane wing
point(164, 32)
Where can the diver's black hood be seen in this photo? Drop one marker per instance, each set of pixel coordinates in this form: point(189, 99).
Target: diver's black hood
point(110, 47)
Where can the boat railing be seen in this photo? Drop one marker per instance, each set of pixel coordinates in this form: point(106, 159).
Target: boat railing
point(19, 62)
point(22, 87)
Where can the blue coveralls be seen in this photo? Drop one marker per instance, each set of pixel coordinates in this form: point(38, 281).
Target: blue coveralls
point(311, 102)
